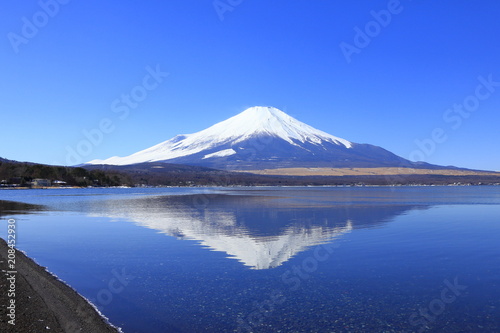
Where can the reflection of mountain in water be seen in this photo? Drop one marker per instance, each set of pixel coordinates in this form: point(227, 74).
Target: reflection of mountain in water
point(261, 232)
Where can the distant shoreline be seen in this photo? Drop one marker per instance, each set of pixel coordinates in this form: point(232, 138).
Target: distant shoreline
point(149, 176)
point(238, 186)
point(17, 175)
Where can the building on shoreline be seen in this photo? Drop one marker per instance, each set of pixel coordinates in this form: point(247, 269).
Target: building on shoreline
point(39, 182)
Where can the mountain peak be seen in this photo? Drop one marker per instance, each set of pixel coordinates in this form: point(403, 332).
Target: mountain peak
point(267, 120)
point(264, 111)
point(261, 137)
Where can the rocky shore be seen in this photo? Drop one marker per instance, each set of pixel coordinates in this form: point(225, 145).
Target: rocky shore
point(42, 303)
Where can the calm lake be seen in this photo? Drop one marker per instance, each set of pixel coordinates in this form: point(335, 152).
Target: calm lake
point(329, 259)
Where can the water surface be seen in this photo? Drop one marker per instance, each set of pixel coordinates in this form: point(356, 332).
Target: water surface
point(332, 259)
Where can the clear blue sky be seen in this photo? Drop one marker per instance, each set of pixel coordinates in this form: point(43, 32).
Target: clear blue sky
point(65, 73)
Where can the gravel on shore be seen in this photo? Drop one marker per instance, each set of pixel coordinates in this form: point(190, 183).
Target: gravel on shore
point(43, 303)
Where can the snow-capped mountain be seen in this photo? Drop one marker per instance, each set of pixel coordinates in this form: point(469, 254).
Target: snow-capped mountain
point(261, 137)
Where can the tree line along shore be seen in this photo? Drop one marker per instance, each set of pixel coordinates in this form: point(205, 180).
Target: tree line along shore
point(30, 175)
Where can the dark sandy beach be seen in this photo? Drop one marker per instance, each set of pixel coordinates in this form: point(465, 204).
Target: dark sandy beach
point(42, 302)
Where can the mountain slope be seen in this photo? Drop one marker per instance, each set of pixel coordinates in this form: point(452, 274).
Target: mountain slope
point(263, 137)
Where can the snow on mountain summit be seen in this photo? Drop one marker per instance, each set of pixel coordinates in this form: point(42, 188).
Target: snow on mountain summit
point(269, 120)
point(252, 123)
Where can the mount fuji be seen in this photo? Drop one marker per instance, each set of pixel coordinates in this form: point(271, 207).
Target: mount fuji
point(264, 138)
